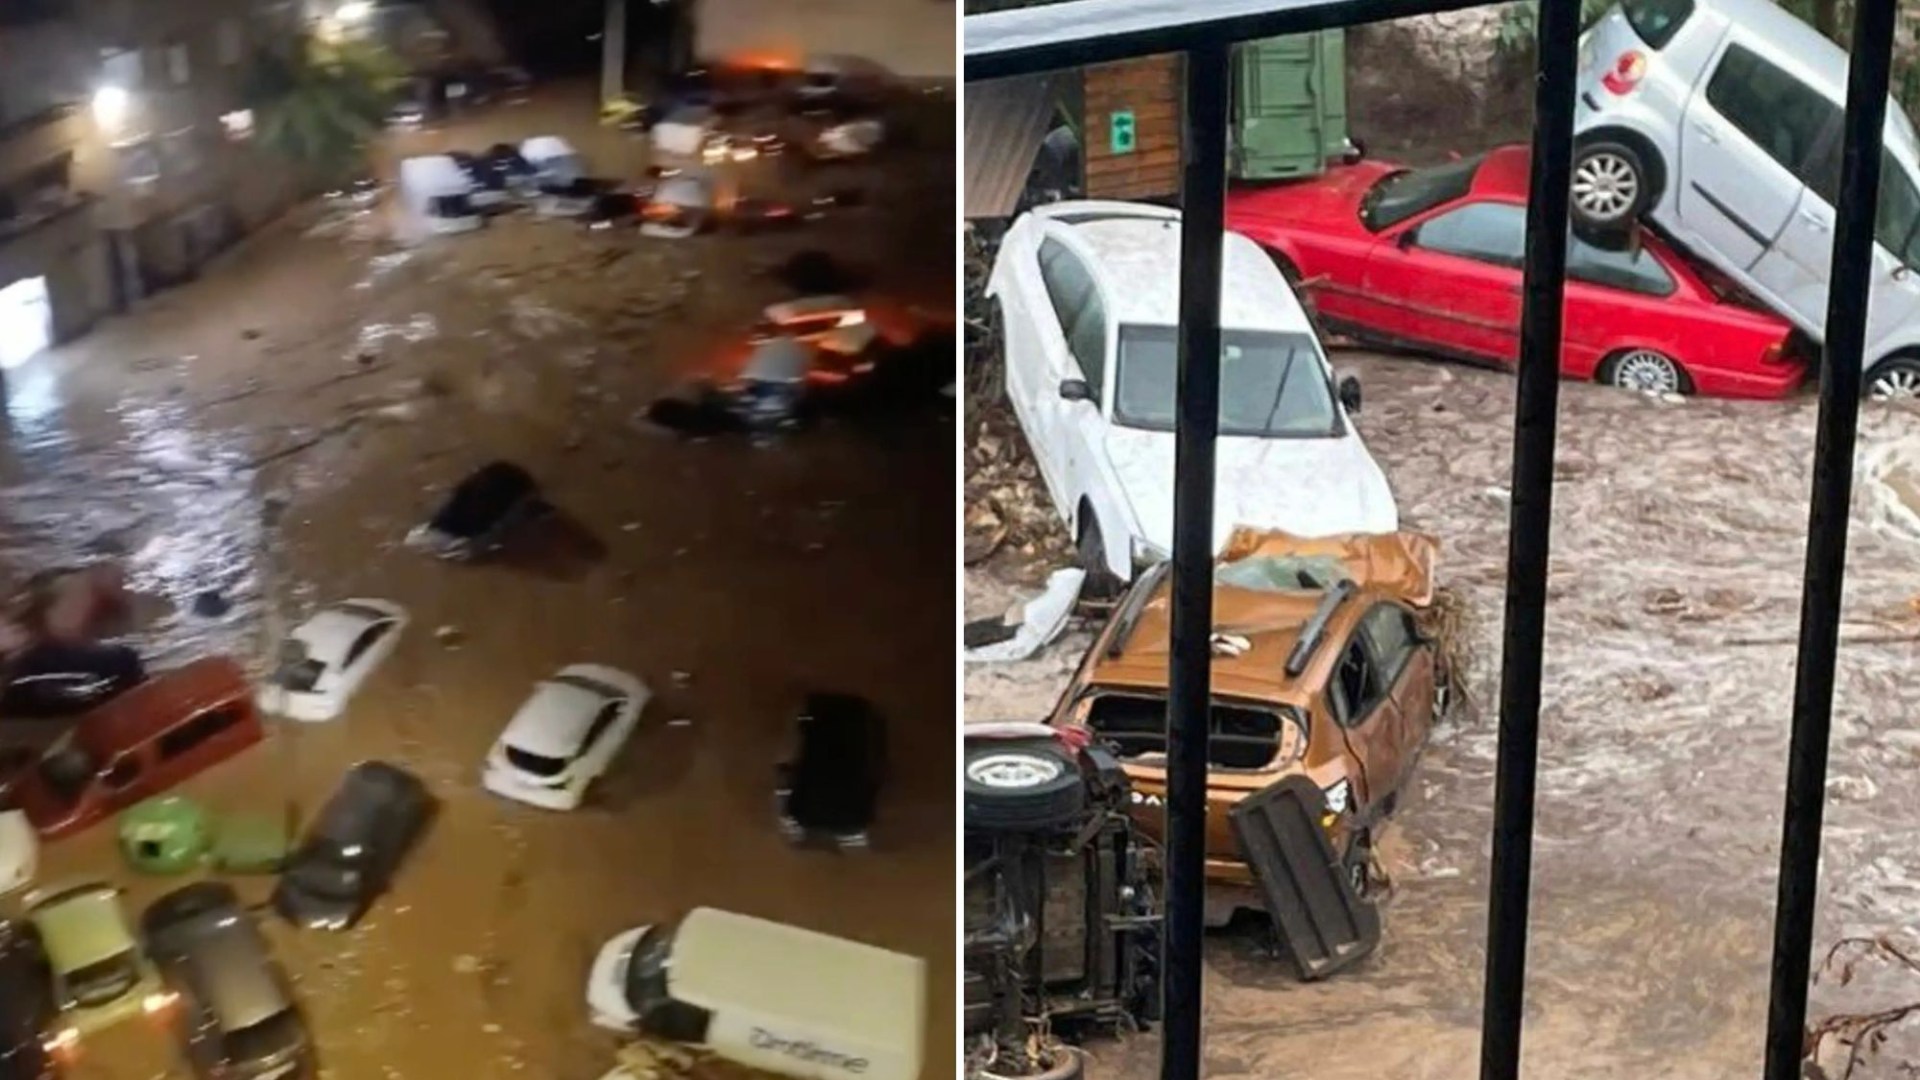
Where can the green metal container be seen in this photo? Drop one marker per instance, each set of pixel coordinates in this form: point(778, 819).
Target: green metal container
point(1289, 106)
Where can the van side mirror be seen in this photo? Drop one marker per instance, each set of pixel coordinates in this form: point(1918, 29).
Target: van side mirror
point(1350, 393)
point(1075, 390)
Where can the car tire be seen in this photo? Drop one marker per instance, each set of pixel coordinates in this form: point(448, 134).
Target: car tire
point(1896, 378)
point(1611, 187)
point(1102, 583)
point(1646, 371)
point(1020, 785)
point(1067, 1064)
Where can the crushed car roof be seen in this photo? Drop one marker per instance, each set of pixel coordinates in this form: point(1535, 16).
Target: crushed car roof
point(1268, 611)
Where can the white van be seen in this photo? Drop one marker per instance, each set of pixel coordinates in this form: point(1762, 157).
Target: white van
point(1720, 120)
point(436, 194)
point(554, 160)
point(768, 996)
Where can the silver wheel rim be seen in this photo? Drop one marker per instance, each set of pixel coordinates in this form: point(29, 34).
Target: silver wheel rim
point(1646, 371)
point(1005, 771)
point(1897, 384)
point(1605, 186)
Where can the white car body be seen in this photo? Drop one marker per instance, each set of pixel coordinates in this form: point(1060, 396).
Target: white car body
point(19, 851)
point(348, 639)
point(833, 324)
point(1724, 195)
point(578, 719)
point(606, 983)
point(554, 159)
point(1102, 469)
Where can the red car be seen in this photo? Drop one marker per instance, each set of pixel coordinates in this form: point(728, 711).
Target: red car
point(1430, 258)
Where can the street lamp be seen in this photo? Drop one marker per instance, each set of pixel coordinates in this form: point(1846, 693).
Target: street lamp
point(110, 105)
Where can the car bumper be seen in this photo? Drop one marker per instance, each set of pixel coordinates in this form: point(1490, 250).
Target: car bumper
point(508, 786)
point(1765, 381)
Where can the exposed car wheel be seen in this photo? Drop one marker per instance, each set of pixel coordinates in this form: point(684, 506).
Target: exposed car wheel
point(1895, 379)
point(1647, 371)
point(1058, 1062)
point(1611, 187)
point(1020, 785)
point(1102, 583)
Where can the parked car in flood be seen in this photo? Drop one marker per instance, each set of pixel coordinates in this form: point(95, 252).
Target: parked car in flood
point(354, 847)
point(54, 680)
point(27, 1007)
point(100, 974)
point(1432, 258)
point(237, 1019)
point(1720, 122)
point(172, 726)
point(1087, 297)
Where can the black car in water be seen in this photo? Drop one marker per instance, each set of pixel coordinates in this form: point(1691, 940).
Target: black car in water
point(481, 513)
point(27, 1007)
point(350, 854)
point(832, 786)
point(53, 681)
point(238, 1019)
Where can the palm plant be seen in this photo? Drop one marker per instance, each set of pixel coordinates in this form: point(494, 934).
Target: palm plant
point(319, 104)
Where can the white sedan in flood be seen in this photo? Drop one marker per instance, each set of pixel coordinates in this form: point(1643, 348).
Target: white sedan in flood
point(565, 736)
point(327, 658)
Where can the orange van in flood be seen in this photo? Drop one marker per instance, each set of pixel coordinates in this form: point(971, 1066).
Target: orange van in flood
point(166, 729)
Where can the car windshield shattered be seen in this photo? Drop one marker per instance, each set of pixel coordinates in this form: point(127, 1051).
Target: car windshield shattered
point(1282, 573)
point(1398, 196)
point(103, 980)
point(1271, 383)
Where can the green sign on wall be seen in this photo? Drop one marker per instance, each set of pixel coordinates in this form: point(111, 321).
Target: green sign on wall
point(1120, 131)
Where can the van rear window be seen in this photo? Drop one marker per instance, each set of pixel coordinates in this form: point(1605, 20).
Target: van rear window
point(1656, 21)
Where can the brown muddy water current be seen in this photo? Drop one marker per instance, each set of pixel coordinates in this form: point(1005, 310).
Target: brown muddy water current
point(357, 383)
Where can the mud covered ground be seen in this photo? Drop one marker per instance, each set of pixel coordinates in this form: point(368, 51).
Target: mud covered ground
point(357, 382)
point(1674, 595)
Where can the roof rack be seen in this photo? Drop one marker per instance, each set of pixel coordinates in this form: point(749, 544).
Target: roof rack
point(1316, 628)
point(1136, 602)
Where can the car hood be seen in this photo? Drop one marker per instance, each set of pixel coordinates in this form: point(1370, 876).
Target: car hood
point(1306, 486)
point(1327, 203)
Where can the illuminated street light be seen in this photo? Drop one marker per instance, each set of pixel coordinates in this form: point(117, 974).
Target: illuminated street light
point(110, 104)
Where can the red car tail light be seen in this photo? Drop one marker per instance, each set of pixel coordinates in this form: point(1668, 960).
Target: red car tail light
point(1626, 73)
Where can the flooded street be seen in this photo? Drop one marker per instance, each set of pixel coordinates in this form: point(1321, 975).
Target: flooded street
point(356, 383)
point(1674, 596)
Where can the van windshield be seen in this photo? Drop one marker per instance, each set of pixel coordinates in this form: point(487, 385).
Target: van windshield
point(1271, 383)
point(1657, 21)
point(645, 979)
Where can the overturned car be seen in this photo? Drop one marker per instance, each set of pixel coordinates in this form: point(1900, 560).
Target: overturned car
point(1062, 931)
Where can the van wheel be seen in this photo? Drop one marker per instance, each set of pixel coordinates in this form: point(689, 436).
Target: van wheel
point(1895, 379)
point(1646, 371)
point(1610, 186)
point(1102, 583)
point(1020, 785)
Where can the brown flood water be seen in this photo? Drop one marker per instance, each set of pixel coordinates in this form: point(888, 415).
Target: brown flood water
point(732, 578)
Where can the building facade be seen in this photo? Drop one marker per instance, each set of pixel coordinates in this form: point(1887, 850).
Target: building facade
point(126, 154)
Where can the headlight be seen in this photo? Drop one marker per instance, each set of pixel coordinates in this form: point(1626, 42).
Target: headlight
point(1339, 797)
point(1146, 553)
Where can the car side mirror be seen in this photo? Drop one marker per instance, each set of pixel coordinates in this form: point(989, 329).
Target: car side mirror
point(1075, 390)
point(1404, 241)
point(1350, 393)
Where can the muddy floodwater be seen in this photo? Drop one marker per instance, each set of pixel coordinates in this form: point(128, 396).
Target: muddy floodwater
point(354, 382)
point(1674, 598)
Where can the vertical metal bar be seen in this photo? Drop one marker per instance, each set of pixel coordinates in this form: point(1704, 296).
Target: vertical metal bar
point(1203, 188)
point(1536, 401)
point(1840, 382)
